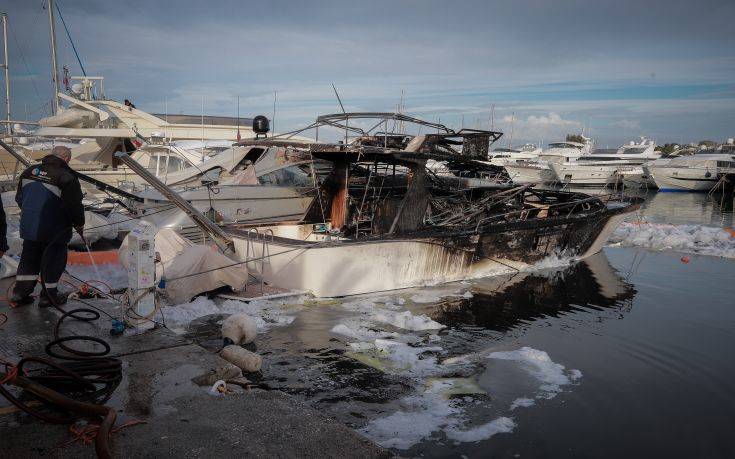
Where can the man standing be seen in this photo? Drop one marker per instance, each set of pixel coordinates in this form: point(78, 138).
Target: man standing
point(50, 198)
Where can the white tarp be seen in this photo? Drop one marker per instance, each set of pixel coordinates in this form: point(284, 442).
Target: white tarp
point(180, 257)
point(8, 267)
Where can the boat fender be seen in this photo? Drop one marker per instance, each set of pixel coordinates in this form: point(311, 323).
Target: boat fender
point(239, 329)
point(247, 361)
point(707, 174)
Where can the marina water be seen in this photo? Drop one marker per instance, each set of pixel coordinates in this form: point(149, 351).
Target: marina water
point(627, 353)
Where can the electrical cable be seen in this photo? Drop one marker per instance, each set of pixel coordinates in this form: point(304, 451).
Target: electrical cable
point(78, 383)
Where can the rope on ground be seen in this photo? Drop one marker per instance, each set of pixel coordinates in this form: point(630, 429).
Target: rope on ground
point(88, 433)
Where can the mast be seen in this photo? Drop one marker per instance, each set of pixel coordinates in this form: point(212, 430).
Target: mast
point(512, 122)
point(54, 65)
point(9, 127)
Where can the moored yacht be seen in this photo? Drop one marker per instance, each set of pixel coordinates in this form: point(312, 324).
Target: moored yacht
point(502, 156)
point(699, 172)
point(540, 171)
point(415, 226)
point(603, 169)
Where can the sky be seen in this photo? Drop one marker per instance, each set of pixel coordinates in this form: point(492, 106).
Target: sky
point(541, 69)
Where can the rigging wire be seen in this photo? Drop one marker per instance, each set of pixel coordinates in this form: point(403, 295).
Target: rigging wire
point(28, 68)
point(70, 40)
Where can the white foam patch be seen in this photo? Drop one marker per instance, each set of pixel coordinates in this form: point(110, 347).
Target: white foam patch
point(266, 314)
point(436, 295)
point(361, 332)
point(538, 364)
point(504, 268)
point(426, 415)
point(409, 360)
point(483, 432)
point(522, 402)
point(439, 409)
point(419, 417)
point(698, 239)
point(551, 262)
point(407, 321)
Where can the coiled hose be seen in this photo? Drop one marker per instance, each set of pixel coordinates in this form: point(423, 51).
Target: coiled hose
point(78, 383)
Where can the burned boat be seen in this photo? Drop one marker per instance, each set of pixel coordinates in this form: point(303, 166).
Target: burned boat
point(380, 221)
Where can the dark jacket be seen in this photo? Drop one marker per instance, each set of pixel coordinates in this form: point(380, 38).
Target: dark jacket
point(50, 198)
point(3, 229)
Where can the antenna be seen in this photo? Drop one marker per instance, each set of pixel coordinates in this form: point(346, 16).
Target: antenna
point(9, 127)
point(202, 128)
point(54, 65)
point(400, 112)
point(492, 117)
point(238, 121)
point(338, 98)
point(512, 122)
point(273, 120)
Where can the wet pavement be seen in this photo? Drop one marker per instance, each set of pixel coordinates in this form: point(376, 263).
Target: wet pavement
point(183, 419)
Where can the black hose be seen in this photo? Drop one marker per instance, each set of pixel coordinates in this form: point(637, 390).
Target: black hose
point(78, 382)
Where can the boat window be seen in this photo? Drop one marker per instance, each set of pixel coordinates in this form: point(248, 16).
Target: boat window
point(633, 150)
point(158, 164)
point(564, 145)
point(153, 164)
point(288, 176)
point(175, 164)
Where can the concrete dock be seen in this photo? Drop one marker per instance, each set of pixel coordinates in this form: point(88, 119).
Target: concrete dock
point(182, 418)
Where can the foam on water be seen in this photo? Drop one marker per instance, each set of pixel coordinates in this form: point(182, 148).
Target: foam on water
point(352, 329)
point(426, 416)
point(266, 314)
point(383, 334)
point(539, 365)
point(698, 239)
point(407, 321)
point(523, 402)
point(483, 432)
point(419, 417)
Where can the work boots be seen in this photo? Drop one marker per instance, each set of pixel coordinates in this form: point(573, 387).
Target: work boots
point(51, 297)
point(19, 300)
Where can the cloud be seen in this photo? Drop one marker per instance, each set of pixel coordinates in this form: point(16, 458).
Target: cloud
point(627, 125)
point(453, 61)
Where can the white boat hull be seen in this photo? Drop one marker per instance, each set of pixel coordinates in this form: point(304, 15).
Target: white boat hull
point(293, 257)
point(530, 173)
point(637, 177)
point(585, 174)
point(684, 179)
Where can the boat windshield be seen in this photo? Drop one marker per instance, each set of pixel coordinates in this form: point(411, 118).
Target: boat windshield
point(287, 176)
point(564, 145)
point(162, 164)
point(633, 150)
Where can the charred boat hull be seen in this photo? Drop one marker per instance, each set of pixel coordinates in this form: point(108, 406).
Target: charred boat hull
point(290, 256)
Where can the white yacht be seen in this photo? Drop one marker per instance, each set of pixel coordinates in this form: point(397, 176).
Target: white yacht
point(539, 170)
point(602, 169)
point(270, 184)
point(503, 156)
point(699, 172)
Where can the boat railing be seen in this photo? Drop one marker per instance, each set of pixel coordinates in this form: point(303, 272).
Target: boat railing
point(251, 258)
point(524, 213)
